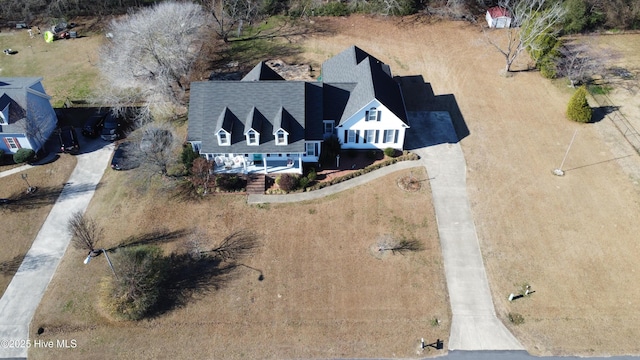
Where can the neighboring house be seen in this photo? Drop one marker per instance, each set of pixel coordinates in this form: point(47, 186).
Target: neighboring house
point(498, 17)
point(26, 116)
point(266, 124)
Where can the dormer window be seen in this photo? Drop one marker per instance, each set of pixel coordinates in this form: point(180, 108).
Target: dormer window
point(253, 138)
point(372, 115)
point(282, 137)
point(223, 138)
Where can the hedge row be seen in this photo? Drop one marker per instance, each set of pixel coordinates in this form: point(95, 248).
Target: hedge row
point(404, 157)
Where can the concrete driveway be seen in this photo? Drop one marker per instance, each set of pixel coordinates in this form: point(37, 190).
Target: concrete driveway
point(20, 300)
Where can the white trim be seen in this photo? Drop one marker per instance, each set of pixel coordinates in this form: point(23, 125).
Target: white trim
point(227, 138)
point(256, 138)
point(285, 137)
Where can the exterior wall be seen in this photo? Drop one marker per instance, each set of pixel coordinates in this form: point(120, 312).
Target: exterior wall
point(19, 139)
point(358, 123)
point(498, 22)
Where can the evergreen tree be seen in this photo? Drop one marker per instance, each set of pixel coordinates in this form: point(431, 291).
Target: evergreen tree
point(578, 108)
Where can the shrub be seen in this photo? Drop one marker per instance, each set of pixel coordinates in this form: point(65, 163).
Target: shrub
point(312, 175)
point(303, 182)
point(516, 318)
point(287, 182)
point(578, 108)
point(336, 8)
point(23, 155)
point(548, 68)
point(135, 292)
point(390, 152)
point(188, 156)
point(229, 182)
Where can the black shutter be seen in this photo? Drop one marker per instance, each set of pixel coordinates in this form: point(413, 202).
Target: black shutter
point(395, 137)
point(346, 136)
point(378, 115)
point(377, 133)
point(366, 116)
point(357, 136)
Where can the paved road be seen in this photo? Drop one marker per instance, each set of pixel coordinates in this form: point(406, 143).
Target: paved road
point(20, 300)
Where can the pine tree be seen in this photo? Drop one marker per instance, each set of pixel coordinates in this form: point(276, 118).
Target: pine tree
point(578, 108)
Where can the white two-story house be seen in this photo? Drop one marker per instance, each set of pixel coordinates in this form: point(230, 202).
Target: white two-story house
point(266, 124)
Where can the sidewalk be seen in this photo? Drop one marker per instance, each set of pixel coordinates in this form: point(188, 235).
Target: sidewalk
point(21, 299)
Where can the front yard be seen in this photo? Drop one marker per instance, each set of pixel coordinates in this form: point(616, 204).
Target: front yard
point(326, 291)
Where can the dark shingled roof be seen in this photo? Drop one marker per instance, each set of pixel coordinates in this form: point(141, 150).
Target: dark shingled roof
point(248, 103)
point(13, 91)
point(262, 72)
point(265, 103)
point(371, 78)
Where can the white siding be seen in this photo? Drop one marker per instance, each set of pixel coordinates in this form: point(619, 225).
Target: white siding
point(359, 124)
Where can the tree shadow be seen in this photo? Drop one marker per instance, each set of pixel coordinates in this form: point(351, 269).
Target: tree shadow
point(45, 196)
point(156, 237)
point(601, 112)
point(201, 272)
point(10, 267)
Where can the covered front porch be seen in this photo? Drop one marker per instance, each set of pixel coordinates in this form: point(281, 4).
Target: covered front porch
point(257, 163)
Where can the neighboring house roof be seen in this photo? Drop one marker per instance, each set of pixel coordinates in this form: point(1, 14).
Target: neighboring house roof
point(370, 79)
point(498, 11)
point(262, 72)
point(238, 106)
point(13, 91)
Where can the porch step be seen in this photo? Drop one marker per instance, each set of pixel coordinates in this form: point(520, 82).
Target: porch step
point(255, 184)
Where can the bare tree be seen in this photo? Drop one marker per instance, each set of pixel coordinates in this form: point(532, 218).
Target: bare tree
point(157, 149)
point(149, 57)
point(400, 246)
point(85, 231)
point(235, 246)
point(201, 175)
point(578, 63)
point(230, 15)
point(529, 20)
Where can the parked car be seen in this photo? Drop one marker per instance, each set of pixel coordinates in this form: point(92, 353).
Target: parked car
point(93, 126)
point(68, 140)
point(111, 128)
point(122, 159)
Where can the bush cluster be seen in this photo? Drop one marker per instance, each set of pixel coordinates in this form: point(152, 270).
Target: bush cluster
point(288, 182)
point(368, 169)
point(135, 292)
point(391, 152)
point(230, 182)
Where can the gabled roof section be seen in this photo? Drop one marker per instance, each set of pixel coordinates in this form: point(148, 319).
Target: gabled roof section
point(498, 11)
point(369, 78)
point(262, 72)
point(225, 121)
point(245, 100)
point(254, 121)
point(283, 120)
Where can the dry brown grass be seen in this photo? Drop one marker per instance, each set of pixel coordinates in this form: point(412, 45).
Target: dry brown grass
point(573, 238)
point(66, 66)
point(324, 293)
point(20, 224)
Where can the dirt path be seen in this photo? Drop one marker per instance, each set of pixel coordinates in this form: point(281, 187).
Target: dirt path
point(573, 239)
